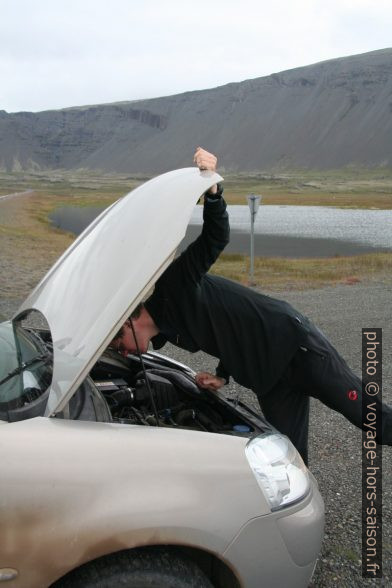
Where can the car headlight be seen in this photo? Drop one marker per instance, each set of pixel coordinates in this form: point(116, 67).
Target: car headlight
point(278, 469)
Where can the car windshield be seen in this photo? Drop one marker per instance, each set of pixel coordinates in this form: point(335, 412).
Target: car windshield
point(25, 365)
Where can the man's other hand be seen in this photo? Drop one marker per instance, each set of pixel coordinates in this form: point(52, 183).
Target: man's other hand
point(209, 381)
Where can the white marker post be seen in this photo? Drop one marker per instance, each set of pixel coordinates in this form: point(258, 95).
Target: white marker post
point(253, 203)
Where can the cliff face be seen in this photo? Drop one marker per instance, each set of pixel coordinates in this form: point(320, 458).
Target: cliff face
point(327, 115)
point(65, 138)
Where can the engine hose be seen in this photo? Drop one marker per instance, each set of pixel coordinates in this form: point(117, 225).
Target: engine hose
point(189, 414)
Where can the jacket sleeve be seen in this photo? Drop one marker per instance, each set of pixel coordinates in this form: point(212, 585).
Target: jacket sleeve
point(221, 372)
point(199, 256)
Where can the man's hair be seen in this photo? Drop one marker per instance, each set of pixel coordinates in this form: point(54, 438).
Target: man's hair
point(134, 315)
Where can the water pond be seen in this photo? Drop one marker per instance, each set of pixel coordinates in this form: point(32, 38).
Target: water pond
point(287, 231)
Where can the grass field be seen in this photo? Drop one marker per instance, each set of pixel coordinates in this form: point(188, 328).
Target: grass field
point(295, 274)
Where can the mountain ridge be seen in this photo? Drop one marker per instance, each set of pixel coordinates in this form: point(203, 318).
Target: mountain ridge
point(326, 115)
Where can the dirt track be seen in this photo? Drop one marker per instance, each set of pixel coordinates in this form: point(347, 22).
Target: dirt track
point(27, 249)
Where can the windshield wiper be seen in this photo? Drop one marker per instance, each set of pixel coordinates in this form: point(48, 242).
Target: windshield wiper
point(24, 366)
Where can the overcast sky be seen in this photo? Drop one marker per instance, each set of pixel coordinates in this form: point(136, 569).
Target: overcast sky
point(60, 53)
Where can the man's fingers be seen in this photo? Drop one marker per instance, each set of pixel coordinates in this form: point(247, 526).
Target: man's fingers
point(204, 385)
point(209, 381)
point(203, 379)
point(205, 160)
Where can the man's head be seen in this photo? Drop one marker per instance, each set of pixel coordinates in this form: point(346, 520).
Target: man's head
point(136, 332)
point(134, 315)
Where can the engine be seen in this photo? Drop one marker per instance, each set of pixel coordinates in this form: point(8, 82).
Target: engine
point(169, 397)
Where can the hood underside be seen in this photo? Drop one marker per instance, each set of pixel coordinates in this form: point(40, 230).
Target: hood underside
point(98, 281)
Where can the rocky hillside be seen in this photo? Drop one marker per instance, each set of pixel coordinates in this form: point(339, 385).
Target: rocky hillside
point(327, 115)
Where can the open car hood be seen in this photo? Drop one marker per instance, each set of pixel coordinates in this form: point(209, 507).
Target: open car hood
point(94, 286)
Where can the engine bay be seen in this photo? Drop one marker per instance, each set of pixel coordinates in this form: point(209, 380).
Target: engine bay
point(166, 395)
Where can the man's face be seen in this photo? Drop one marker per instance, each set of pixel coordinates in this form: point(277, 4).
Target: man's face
point(126, 343)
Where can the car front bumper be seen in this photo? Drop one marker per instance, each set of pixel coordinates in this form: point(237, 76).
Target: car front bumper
point(280, 549)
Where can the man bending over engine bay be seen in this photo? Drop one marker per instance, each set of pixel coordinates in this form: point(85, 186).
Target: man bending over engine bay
point(263, 343)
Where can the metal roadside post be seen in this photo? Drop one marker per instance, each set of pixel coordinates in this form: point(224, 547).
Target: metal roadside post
point(253, 203)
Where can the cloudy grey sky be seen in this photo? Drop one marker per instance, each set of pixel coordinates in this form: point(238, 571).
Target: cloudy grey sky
point(60, 53)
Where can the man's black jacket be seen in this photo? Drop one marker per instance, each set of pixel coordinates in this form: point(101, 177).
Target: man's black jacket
point(254, 336)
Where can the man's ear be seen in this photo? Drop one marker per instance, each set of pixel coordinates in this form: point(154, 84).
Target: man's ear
point(139, 318)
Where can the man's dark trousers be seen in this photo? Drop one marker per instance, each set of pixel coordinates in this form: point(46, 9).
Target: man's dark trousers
point(318, 370)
